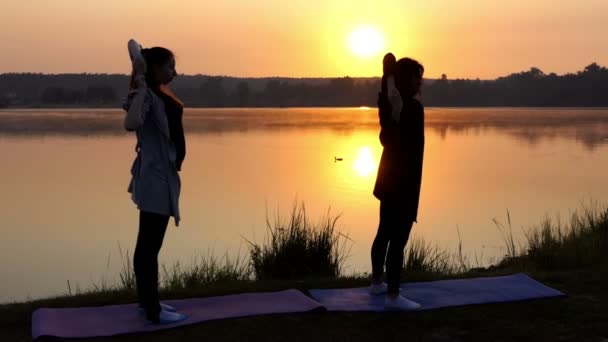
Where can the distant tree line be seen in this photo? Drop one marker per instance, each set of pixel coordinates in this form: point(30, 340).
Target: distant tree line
point(588, 87)
point(532, 88)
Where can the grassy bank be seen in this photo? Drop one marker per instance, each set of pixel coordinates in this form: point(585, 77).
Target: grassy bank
point(569, 256)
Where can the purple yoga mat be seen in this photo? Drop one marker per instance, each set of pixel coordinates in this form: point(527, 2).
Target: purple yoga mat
point(439, 294)
point(122, 319)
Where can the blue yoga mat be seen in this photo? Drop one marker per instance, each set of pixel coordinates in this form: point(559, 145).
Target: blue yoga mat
point(122, 319)
point(439, 294)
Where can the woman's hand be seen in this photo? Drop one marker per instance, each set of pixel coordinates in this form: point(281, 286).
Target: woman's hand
point(138, 62)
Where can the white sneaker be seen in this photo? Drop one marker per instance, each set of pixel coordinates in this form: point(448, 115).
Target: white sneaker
point(377, 289)
point(168, 317)
point(400, 303)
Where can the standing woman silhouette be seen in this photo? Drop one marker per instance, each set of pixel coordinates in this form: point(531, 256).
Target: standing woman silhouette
point(155, 114)
point(399, 174)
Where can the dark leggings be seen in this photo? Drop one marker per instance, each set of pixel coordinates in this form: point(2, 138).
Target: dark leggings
point(393, 233)
point(152, 228)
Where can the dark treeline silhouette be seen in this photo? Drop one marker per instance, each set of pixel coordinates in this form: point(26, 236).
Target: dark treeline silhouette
point(532, 88)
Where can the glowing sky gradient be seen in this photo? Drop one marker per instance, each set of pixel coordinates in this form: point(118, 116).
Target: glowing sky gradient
point(305, 38)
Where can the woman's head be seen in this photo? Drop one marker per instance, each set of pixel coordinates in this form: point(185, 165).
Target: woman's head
point(160, 66)
point(408, 76)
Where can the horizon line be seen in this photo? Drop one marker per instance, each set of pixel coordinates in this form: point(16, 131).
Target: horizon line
point(286, 77)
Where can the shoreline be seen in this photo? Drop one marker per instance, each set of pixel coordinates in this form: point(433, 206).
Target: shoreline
point(569, 257)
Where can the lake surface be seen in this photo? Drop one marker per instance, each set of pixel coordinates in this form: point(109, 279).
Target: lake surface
point(65, 210)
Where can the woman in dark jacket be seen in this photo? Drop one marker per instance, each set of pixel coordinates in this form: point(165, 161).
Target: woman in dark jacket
point(399, 176)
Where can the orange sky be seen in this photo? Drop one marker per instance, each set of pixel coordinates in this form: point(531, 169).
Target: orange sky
point(305, 38)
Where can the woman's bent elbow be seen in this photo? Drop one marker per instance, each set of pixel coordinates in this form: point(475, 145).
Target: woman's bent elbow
point(131, 126)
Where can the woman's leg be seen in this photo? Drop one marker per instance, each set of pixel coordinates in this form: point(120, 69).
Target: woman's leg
point(380, 244)
point(152, 228)
point(399, 234)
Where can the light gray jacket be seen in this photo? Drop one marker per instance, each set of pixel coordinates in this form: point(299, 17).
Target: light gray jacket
point(155, 184)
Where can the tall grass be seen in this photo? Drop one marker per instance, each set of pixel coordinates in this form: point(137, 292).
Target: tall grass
point(203, 271)
point(127, 275)
point(207, 270)
point(580, 243)
point(422, 257)
point(507, 237)
point(298, 248)
point(551, 245)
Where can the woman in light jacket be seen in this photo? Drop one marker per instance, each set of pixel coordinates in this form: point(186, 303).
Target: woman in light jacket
point(155, 114)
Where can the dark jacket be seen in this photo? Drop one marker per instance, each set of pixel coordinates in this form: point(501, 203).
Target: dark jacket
point(400, 170)
point(175, 113)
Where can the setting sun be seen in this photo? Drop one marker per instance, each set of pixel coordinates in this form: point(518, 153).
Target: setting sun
point(366, 41)
point(365, 163)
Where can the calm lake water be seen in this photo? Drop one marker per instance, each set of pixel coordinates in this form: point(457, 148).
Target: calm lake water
point(65, 209)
